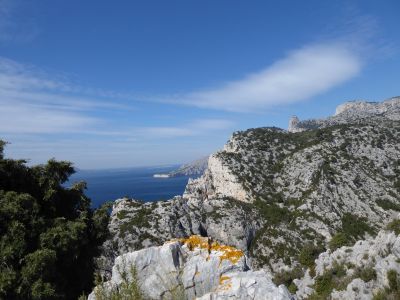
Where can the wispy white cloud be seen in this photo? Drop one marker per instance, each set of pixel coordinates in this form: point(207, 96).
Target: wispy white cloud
point(196, 127)
point(302, 74)
point(22, 118)
point(34, 102)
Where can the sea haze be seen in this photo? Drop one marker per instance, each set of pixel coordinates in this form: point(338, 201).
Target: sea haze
point(137, 183)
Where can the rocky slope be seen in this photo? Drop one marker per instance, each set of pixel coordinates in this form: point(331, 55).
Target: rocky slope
point(366, 269)
point(282, 197)
point(192, 268)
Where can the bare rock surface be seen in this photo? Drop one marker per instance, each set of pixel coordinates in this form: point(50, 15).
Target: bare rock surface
point(196, 268)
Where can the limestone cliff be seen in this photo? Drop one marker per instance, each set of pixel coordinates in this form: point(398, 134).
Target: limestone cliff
point(276, 194)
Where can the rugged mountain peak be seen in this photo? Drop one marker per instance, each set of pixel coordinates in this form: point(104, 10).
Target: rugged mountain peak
point(353, 112)
point(369, 108)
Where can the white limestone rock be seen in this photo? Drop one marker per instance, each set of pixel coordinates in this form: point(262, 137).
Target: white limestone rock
point(248, 285)
point(202, 269)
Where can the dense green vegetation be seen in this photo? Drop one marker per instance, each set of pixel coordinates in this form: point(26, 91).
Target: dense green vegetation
point(387, 204)
point(353, 228)
point(49, 235)
point(286, 277)
point(337, 278)
point(394, 226)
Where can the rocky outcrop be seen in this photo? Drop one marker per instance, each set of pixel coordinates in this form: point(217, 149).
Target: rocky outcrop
point(356, 109)
point(293, 125)
point(135, 225)
point(191, 268)
point(354, 272)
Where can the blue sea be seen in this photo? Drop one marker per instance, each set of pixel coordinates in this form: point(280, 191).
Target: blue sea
point(137, 183)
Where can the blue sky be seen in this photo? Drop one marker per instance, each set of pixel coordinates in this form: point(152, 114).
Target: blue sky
point(133, 83)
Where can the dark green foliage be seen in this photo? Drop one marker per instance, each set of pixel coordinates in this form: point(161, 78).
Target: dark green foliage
point(393, 280)
point(273, 212)
point(366, 274)
point(287, 277)
point(397, 184)
point(49, 235)
point(355, 226)
point(394, 226)
point(140, 219)
point(339, 240)
point(387, 204)
point(332, 278)
point(309, 253)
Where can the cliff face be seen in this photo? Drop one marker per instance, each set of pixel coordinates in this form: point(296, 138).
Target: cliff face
point(276, 194)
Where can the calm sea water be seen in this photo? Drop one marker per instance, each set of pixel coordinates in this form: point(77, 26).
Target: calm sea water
point(137, 183)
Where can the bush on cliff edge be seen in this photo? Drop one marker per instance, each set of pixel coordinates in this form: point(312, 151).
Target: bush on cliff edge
point(49, 235)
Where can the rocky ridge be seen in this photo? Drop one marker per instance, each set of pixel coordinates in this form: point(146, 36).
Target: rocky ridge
point(353, 111)
point(282, 197)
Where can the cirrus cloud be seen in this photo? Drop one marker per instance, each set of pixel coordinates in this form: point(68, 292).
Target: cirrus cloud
point(302, 74)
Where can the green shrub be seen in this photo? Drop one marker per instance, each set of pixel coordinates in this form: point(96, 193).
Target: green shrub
point(394, 226)
point(128, 289)
point(309, 253)
point(387, 204)
point(338, 240)
point(366, 274)
point(287, 277)
point(49, 235)
point(272, 212)
point(355, 227)
point(324, 284)
point(393, 280)
point(332, 278)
